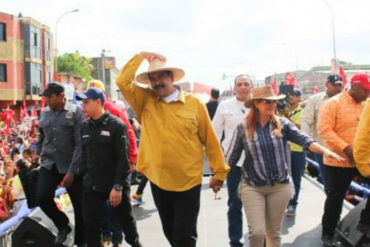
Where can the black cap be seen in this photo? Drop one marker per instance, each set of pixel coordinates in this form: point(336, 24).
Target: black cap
point(296, 92)
point(335, 79)
point(53, 88)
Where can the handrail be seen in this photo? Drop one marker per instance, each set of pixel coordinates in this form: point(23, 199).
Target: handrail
point(355, 186)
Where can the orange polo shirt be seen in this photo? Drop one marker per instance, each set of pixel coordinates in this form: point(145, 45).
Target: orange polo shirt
point(337, 125)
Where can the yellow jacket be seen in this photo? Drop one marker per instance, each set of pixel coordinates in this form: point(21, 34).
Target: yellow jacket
point(361, 145)
point(172, 135)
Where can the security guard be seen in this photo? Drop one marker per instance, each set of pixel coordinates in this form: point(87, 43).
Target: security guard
point(59, 147)
point(105, 159)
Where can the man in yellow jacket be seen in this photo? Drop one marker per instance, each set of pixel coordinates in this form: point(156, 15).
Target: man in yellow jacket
point(361, 153)
point(176, 129)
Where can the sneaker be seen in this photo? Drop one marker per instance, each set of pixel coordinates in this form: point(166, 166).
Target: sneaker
point(290, 212)
point(137, 199)
point(328, 241)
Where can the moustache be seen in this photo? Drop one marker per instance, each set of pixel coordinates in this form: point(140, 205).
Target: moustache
point(159, 87)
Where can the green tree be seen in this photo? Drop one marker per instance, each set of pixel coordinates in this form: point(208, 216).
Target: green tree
point(75, 64)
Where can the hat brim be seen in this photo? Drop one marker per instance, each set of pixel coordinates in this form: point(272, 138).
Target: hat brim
point(250, 101)
point(81, 96)
point(177, 73)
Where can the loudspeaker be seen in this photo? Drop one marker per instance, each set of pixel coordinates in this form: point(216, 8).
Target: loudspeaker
point(286, 89)
point(347, 230)
point(37, 230)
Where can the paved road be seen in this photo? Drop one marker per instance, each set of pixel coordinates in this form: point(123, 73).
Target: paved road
point(302, 231)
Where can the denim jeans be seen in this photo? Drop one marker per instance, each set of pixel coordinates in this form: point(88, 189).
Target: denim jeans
point(298, 165)
point(323, 174)
point(234, 213)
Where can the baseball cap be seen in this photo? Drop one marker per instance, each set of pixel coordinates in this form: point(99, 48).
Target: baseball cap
point(363, 79)
point(296, 92)
point(53, 88)
point(335, 79)
point(92, 93)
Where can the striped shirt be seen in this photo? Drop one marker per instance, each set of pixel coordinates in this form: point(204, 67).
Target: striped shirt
point(266, 156)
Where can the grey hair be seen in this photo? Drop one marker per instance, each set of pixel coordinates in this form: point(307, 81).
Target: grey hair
point(243, 76)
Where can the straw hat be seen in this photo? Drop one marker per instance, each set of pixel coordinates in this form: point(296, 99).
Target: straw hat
point(264, 92)
point(155, 66)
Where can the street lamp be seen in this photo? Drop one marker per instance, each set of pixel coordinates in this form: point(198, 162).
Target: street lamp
point(56, 36)
point(333, 28)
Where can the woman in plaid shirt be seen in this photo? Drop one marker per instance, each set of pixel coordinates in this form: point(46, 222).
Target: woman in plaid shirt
point(265, 188)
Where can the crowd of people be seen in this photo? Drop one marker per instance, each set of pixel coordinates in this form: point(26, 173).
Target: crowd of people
point(91, 149)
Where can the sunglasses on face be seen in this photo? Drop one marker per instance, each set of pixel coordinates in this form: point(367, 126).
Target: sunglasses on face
point(266, 101)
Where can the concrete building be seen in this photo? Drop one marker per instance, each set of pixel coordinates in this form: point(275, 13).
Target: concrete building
point(107, 76)
point(25, 60)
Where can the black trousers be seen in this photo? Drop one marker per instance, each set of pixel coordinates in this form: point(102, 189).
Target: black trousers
point(337, 185)
point(48, 183)
point(94, 202)
point(179, 213)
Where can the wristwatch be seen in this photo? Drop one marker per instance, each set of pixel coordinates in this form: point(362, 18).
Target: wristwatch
point(117, 187)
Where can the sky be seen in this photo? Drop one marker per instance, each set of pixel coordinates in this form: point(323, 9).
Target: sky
point(210, 38)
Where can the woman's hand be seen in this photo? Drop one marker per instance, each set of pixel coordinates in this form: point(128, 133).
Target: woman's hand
point(333, 155)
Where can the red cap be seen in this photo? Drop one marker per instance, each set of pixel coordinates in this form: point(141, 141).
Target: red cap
point(363, 79)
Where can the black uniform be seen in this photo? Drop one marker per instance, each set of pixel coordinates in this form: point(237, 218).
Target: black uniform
point(104, 158)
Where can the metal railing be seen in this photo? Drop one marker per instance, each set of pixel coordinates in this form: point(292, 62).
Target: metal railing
point(353, 186)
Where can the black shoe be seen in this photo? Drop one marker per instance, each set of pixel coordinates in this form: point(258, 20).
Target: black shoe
point(62, 235)
point(81, 245)
point(328, 240)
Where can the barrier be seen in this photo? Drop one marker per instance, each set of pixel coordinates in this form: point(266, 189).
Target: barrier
point(354, 186)
point(23, 212)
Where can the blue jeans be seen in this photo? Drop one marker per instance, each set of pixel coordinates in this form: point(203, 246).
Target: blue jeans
point(234, 214)
point(298, 164)
point(323, 173)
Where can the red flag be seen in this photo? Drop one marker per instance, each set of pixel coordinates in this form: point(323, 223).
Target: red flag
point(42, 104)
point(290, 79)
point(201, 88)
point(342, 74)
point(315, 89)
point(274, 85)
point(24, 112)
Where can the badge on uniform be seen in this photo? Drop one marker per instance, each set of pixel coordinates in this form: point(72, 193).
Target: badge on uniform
point(69, 115)
point(104, 133)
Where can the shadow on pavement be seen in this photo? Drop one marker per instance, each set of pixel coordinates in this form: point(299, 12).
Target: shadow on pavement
point(307, 239)
point(287, 223)
point(142, 213)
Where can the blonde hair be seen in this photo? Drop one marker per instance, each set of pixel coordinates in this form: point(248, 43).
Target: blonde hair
point(253, 118)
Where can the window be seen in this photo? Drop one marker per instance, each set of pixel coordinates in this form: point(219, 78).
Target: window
point(2, 72)
point(48, 75)
point(2, 32)
point(35, 39)
point(35, 42)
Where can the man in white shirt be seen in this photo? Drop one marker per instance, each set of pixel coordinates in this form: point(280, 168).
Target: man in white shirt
point(228, 115)
point(310, 115)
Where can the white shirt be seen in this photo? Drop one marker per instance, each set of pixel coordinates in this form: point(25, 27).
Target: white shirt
point(310, 115)
point(172, 97)
point(229, 114)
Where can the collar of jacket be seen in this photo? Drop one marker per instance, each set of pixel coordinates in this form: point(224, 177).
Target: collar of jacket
point(102, 120)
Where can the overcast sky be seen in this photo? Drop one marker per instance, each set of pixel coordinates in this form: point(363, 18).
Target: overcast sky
point(209, 37)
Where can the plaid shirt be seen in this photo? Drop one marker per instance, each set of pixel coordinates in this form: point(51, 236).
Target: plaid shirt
point(266, 156)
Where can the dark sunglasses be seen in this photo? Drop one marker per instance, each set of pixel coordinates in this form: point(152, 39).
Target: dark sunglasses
point(266, 101)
